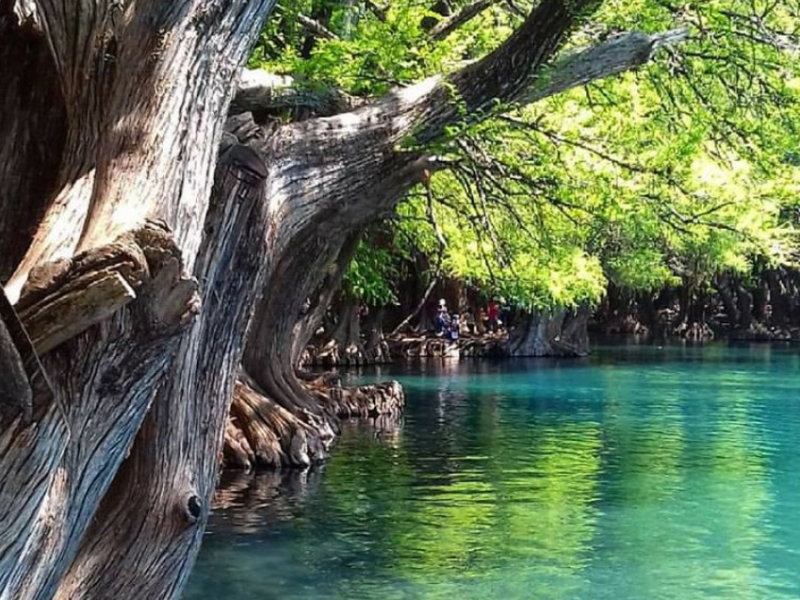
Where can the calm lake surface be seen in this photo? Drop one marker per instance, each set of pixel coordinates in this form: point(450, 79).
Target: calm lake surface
point(640, 473)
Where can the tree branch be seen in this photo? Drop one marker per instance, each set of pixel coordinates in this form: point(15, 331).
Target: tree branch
point(261, 92)
point(502, 75)
point(65, 298)
point(621, 53)
point(70, 313)
point(505, 73)
point(445, 27)
point(315, 27)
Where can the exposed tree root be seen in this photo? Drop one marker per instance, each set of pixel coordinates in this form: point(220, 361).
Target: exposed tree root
point(260, 433)
point(760, 332)
point(346, 342)
point(422, 346)
point(371, 401)
point(335, 354)
point(695, 332)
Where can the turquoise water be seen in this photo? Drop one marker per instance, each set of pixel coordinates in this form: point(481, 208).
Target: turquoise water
point(639, 473)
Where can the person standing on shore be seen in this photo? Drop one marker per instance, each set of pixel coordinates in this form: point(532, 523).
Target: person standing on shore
point(492, 314)
point(442, 318)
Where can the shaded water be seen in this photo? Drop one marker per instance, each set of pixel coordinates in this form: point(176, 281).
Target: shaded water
point(639, 473)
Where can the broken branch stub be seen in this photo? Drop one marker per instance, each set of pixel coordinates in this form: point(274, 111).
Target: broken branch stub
point(62, 300)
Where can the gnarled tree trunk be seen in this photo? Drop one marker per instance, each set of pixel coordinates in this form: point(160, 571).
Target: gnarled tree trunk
point(102, 291)
point(551, 333)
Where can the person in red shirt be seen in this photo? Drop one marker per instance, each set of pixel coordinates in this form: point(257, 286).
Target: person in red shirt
point(492, 314)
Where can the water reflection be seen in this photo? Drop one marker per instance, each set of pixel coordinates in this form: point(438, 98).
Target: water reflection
point(639, 473)
point(250, 501)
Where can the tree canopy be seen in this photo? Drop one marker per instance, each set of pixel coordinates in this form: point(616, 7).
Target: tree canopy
point(682, 169)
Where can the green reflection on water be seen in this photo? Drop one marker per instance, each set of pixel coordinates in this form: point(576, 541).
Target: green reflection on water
point(641, 473)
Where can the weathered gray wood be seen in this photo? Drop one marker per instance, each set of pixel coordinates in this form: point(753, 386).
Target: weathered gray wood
point(63, 299)
point(31, 489)
point(621, 53)
point(260, 91)
point(94, 299)
point(59, 466)
point(550, 333)
point(146, 526)
point(101, 196)
point(138, 146)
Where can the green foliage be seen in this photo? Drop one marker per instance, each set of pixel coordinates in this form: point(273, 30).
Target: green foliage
point(371, 275)
point(376, 48)
point(677, 172)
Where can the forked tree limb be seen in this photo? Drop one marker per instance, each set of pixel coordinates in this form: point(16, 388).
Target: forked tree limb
point(260, 91)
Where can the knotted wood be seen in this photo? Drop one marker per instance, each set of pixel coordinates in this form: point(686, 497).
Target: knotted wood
point(56, 467)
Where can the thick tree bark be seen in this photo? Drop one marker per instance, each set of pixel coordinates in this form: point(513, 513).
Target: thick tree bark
point(151, 144)
point(356, 338)
point(376, 350)
point(159, 499)
point(725, 291)
point(57, 468)
point(342, 345)
point(760, 301)
point(744, 301)
point(316, 315)
point(780, 297)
